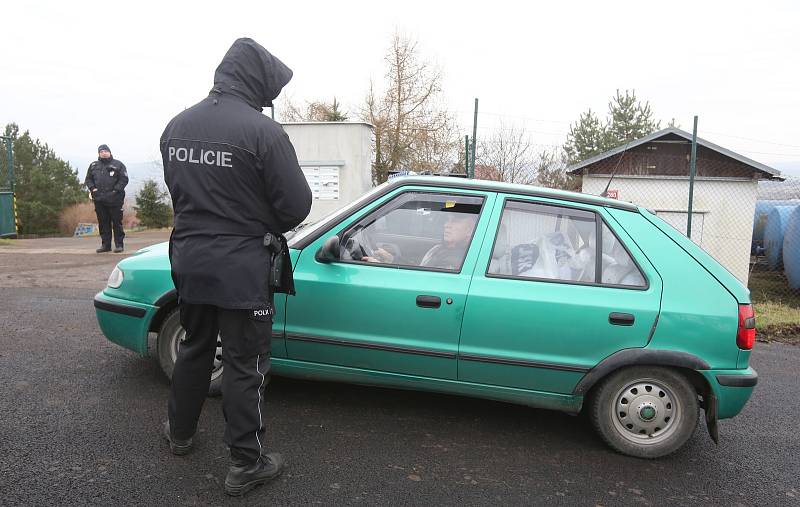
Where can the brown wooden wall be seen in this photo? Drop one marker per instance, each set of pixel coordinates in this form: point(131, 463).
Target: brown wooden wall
point(659, 158)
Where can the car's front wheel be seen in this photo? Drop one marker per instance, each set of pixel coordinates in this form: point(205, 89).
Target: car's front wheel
point(169, 339)
point(645, 411)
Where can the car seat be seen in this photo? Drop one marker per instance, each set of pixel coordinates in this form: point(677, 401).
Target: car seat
point(500, 263)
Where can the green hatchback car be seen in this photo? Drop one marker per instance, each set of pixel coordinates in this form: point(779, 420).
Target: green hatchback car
point(527, 295)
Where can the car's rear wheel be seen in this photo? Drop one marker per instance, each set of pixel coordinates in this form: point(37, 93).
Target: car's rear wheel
point(645, 411)
point(169, 339)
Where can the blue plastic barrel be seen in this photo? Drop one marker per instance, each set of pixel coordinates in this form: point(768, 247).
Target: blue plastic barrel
point(763, 207)
point(791, 249)
point(773, 235)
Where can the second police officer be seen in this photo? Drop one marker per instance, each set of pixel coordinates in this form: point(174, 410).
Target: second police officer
point(234, 177)
point(106, 179)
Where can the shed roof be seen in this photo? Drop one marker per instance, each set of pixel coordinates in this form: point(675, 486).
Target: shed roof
point(758, 166)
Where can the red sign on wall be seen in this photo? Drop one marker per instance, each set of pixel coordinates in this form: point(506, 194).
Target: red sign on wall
point(612, 194)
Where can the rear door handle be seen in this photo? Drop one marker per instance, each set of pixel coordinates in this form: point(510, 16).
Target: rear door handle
point(429, 301)
point(621, 319)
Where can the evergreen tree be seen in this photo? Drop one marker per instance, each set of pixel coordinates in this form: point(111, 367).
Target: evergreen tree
point(628, 119)
point(333, 113)
point(44, 183)
point(586, 138)
point(152, 208)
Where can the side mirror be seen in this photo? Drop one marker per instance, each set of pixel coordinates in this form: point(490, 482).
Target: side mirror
point(329, 251)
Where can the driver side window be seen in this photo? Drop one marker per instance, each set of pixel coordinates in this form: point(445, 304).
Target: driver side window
point(415, 229)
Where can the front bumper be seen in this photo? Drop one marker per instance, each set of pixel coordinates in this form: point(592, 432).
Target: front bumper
point(124, 322)
point(732, 388)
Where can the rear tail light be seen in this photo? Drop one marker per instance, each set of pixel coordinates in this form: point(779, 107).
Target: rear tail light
point(746, 336)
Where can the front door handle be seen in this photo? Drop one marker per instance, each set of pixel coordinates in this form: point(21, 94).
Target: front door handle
point(621, 319)
point(429, 301)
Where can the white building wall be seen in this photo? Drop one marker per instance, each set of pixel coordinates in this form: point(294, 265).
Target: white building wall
point(722, 212)
point(329, 148)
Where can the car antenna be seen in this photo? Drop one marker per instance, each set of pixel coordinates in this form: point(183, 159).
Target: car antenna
point(605, 192)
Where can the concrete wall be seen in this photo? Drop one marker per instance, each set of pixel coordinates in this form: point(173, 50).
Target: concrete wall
point(722, 212)
point(330, 149)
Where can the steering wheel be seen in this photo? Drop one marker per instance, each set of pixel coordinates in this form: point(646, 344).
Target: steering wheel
point(357, 244)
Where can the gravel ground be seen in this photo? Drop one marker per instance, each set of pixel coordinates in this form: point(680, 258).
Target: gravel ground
point(79, 418)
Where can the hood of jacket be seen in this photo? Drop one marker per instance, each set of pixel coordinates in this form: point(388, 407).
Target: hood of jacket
point(252, 73)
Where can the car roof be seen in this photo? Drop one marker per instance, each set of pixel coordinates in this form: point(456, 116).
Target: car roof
point(454, 183)
point(510, 188)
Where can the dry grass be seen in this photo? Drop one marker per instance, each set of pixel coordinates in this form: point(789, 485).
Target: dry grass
point(777, 307)
point(83, 213)
point(71, 216)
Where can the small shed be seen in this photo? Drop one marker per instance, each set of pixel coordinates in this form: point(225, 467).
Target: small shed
point(654, 172)
point(336, 158)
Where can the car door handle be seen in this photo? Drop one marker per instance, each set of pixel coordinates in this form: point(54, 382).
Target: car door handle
point(429, 301)
point(621, 319)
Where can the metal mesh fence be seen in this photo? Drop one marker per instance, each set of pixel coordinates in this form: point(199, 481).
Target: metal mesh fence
point(752, 227)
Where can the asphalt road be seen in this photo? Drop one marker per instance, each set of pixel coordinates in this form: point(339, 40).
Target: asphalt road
point(79, 420)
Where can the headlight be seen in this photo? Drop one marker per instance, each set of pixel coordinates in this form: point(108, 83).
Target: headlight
point(115, 278)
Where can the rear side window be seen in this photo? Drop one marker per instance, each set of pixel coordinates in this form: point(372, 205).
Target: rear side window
point(618, 266)
point(542, 242)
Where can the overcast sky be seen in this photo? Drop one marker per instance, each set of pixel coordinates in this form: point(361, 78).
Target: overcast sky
point(78, 74)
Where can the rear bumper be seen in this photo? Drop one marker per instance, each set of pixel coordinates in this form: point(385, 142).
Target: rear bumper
point(123, 322)
point(732, 388)
point(748, 380)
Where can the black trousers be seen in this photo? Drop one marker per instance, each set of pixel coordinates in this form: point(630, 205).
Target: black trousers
point(246, 340)
point(108, 218)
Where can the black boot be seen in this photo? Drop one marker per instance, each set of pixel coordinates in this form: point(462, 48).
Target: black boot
point(178, 447)
point(118, 249)
point(242, 477)
point(104, 248)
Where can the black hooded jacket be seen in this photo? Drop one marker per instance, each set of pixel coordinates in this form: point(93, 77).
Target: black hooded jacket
point(233, 176)
point(109, 177)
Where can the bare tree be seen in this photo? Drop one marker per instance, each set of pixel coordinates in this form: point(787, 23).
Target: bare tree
point(509, 151)
point(550, 167)
point(289, 111)
point(412, 129)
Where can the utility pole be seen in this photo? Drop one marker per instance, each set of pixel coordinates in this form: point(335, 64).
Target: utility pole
point(692, 173)
point(474, 137)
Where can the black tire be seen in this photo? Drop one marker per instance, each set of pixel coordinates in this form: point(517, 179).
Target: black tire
point(169, 337)
point(645, 411)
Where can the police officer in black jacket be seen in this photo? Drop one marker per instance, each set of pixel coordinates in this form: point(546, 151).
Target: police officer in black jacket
point(234, 177)
point(106, 180)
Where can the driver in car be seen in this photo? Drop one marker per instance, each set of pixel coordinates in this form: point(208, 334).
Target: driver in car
point(449, 254)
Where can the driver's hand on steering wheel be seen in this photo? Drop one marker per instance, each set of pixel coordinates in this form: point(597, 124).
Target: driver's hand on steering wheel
point(381, 256)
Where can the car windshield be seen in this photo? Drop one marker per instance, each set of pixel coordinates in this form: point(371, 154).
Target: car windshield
point(307, 229)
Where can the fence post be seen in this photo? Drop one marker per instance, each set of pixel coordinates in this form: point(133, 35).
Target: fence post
point(466, 156)
point(692, 172)
point(474, 137)
point(9, 141)
point(10, 210)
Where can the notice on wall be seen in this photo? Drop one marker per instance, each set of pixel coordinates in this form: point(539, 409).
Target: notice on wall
point(324, 182)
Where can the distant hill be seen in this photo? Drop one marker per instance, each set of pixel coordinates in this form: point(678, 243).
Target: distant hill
point(139, 172)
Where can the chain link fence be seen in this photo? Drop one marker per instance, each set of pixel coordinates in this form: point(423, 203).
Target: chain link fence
point(752, 227)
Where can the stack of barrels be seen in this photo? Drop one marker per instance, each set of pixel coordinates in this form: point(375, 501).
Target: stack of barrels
point(776, 234)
